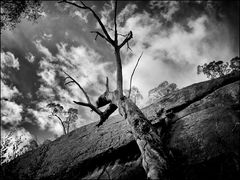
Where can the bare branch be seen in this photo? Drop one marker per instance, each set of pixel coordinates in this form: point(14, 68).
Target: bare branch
point(61, 1)
point(69, 82)
point(123, 35)
point(66, 78)
point(74, 81)
point(115, 23)
point(128, 47)
point(95, 109)
point(100, 34)
point(129, 36)
point(107, 87)
point(96, 16)
point(103, 115)
point(129, 94)
point(64, 130)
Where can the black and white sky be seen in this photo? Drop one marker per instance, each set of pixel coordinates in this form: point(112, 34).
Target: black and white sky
point(174, 36)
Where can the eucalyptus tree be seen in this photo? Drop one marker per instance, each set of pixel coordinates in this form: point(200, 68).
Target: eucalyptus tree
point(154, 159)
point(66, 118)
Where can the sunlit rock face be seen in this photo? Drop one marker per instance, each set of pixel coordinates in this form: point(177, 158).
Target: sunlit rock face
point(201, 138)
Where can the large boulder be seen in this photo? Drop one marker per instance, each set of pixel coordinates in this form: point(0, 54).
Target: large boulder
point(202, 139)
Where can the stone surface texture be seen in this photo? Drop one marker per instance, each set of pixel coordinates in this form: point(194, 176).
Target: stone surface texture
point(202, 139)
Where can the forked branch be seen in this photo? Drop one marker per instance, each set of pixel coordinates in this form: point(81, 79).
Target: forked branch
point(129, 94)
point(102, 101)
point(83, 6)
point(128, 37)
point(101, 35)
point(74, 81)
point(88, 104)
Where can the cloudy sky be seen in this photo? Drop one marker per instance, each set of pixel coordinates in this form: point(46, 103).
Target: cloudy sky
point(174, 37)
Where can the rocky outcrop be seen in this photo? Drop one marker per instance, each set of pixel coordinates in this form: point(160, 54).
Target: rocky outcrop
point(201, 134)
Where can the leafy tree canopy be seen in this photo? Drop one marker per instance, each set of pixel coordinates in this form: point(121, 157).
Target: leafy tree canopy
point(217, 69)
point(66, 121)
point(12, 11)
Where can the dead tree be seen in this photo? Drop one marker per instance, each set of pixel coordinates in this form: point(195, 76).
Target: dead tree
point(154, 159)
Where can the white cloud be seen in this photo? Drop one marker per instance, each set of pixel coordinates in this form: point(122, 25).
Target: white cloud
point(105, 14)
point(11, 112)
point(127, 11)
point(45, 122)
point(167, 8)
point(8, 60)
point(171, 54)
point(30, 57)
point(84, 65)
point(82, 14)
point(47, 73)
point(47, 36)
point(43, 49)
point(123, 15)
point(52, 123)
point(107, 9)
point(8, 92)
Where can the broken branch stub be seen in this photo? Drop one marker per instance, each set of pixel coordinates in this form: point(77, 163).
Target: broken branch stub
point(103, 99)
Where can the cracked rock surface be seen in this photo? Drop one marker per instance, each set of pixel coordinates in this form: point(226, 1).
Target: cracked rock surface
point(202, 139)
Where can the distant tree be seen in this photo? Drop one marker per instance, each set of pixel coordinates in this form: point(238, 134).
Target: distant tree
point(161, 90)
point(218, 69)
point(235, 64)
point(12, 11)
point(58, 112)
point(71, 118)
point(13, 145)
point(135, 95)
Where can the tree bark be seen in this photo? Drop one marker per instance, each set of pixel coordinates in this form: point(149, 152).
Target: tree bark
point(119, 72)
point(154, 159)
point(64, 130)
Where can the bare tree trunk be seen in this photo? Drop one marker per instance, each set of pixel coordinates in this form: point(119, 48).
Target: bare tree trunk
point(64, 130)
point(119, 72)
point(154, 160)
point(68, 127)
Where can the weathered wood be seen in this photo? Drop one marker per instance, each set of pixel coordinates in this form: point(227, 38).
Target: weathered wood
point(154, 159)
